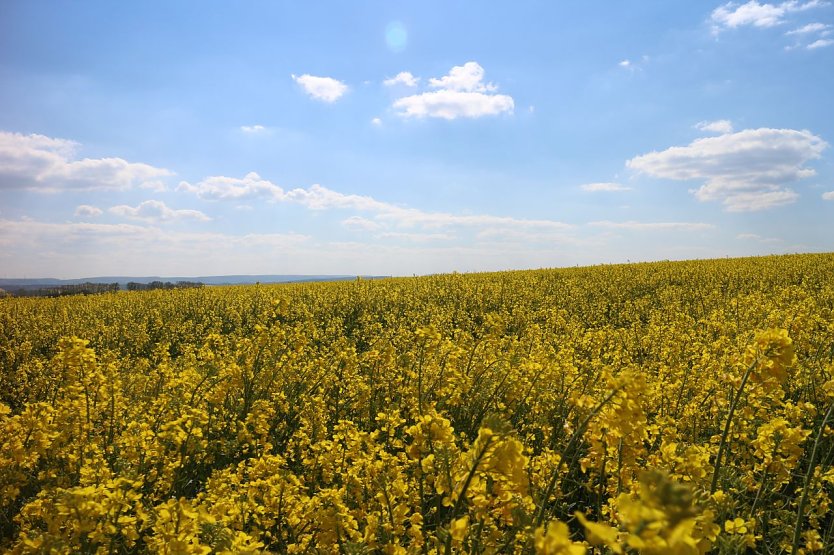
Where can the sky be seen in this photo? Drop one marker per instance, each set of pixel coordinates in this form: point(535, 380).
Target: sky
point(397, 138)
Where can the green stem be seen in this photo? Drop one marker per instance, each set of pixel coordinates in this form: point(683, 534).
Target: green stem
point(576, 435)
point(808, 476)
point(723, 444)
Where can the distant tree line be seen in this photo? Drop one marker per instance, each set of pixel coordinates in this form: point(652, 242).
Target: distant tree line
point(96, 288)
point(135, 286)
point(73, 289)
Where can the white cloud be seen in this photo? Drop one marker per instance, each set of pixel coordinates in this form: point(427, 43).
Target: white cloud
point(448, 104)
point(156, 211)
point(504, 235)
point(810, 28)
point(85, 249)
point(231, 188)
point(820, 43)
point(80, 250)
point(721, 126)
point(746, 171)
point(604, 187)
point(376, 121)
point(752, 13)
point(469, 77)
point(416, 237)
point(385, 214)
point(43, 163)
point(325, 89)
point(828, 195)
point(757, 237)
point(87, 211)
point(402, 78)
point(634, 65)
point(360, 223)
point(461, 93)
point(253, 129)
point(653, 226)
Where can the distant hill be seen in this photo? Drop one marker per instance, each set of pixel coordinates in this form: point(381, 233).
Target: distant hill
point(39, 283)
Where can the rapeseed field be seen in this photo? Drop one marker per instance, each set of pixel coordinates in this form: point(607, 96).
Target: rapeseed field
point(658, 408)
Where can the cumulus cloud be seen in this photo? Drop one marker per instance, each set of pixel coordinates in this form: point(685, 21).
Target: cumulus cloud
point(746, 171)
point(454, 104)
point(402, 78)
point(828, 195)
point(752, 13)
point(721, 126)
point(87, 211)
point(156, 211)
point(50, 164)
point(325, 89)
point(376, 121)
point(460, 93)
point(468, 77)
point(604, 187)
point(231, 188)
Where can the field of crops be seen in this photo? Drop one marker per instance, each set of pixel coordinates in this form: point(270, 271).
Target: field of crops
point(649, 408)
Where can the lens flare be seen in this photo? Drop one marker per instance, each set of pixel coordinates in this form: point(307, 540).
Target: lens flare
point(396, 36)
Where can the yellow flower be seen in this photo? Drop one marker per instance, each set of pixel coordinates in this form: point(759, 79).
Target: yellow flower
point(735, 526)
point(555, 540)
point(459, 528)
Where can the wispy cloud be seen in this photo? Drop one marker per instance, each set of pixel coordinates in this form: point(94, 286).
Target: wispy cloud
point(604, 187)
point(253, 129)
point(820, 43)
point(97, 248)
point(633, 65)
point(462, 93)
point(828, 195)
point(810, 28)
point(746, 171)
point(325, 89)
point(757, 238)
point(360, 223)
point(721, 126)
point(43, 163)
point(382, 215)
point(416, 237)
point(156, 211)
point(653, 226)
point(811, 36)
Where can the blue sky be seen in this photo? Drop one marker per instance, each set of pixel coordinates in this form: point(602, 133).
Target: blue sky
point(399, 138)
